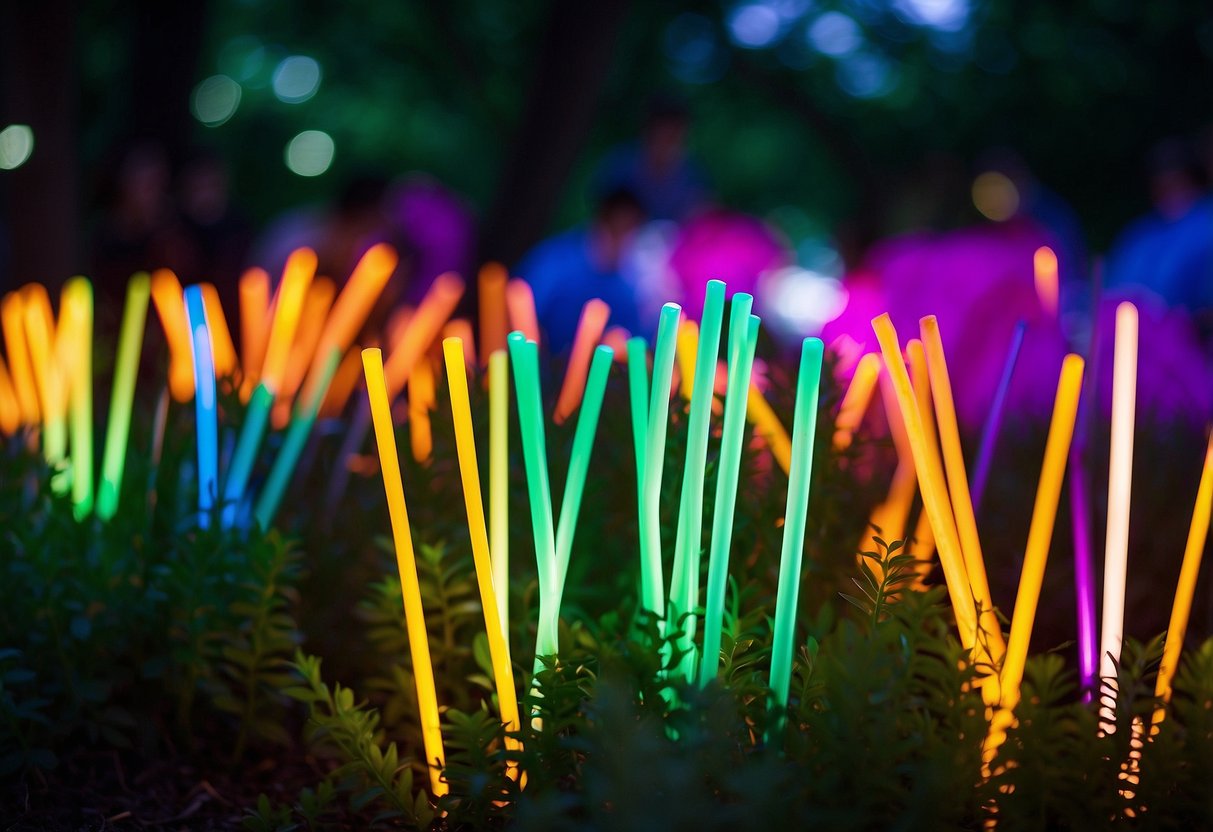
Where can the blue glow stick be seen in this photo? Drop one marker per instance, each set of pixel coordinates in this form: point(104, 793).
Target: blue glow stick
point(204, 404)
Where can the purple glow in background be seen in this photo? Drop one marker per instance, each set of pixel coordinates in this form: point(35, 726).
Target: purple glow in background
point(723, 245)
point(1084, 571)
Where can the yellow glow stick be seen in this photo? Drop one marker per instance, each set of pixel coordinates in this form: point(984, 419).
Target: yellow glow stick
point(520, 302)
point(687, 348)
point(461, 328)
point(221, 337)
point(958, 486)
point(769, 428)
point(254, 328)
point(77, 311)
point(1044, 269)
point(12, 315)
point(10, 408)
point(594, 317)
point(856, 400)
point(1036, 553)
point(344, 382)
point(494, 318)
point(169, 298)
point(499, 481)
point(296, 278)
point(931, 483)
point(1120, 483)
point(1188, 572)
point(433, 311)
point(414, 614)
point(890, 516)
point(421, 402)
point(52, 395)
point(465, 442)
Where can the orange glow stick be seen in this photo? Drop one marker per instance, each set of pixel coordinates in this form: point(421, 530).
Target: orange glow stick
point(594, 317)
point(856, 400)
point(421, 402)
point(308, 333)
point(288, 306)
point(958, 485)
point(169, 299)
point(1044, 269)
point(254, 327)
point(433, 311)
point(1120, 484)
point(343, 384)
point(769, 428)
point(1036, 553)
point(221, 337)
point(52, 394)
point(616, 337)
point(1181, 608)
point(461, 328)
point(931, 483)
point(12, 315)
point(687, 348)
point(10, 408)
point(520, 303)
point(890, 516)
point(406, 563)
point(494, 317)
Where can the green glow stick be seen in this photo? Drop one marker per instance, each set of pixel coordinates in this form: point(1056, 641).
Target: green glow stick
point(804, 431)
point(638, 394)
point(743, 336)
point(652, 578)
point(79, 293)
point(292, 446)
point(499, 482)
point(684, 579)
point(126, 369)
point(579, 462)
point(256, 417)
point(524, 355)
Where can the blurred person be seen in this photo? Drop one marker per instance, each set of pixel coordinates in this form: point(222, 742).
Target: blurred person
point(657, 168)
point(571, 268)
point(1170, 250)
point(218, 232)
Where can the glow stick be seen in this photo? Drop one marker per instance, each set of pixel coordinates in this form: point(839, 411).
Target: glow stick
point(931, 484)
point(923, 544)
point(890, 516)
point(958, 486)
point(414, 614)
point(12, 315)
point(651, 576)
point(743, 336)
point(920, 377)
point(638, 398)
point(1181, 608)
point(579, 461)
point(856, 400)
point(78, 311)
point(50, 383)
point(170, 307)
point(494, 325)
point(221, 336)
point(1084, 573)
point(616, 337)
point(254, 327)
point(769, 428)
point(684, 577)
point(594, 316)
point(993, 423)
point(499, 481)
point(421, 402)
point(349, 372)
point(256, 416)
point(10, 409)
point(433, 311)
point(524, 356)
point(1120, 483)
point(465, 444)
point(1036, 553)
point(687, 346)
point(308, 334)
point(204, 404)
point(292, 446)
point(461, 328)
point(1044, 269)
point(288, 306)
point(520, 302)
point(126, 370)
point(804, 430)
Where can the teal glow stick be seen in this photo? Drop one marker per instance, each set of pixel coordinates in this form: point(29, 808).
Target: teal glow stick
point(79, 293)
point(743, 336)
point(638, 395)
point(499, 482)
point(579, 462)
point(292, 445)
point(204, 404)
point(256, 417)
point(652, 579)
point(804, 431)
point(126, 370)
point(684, 579)
point(524, 355)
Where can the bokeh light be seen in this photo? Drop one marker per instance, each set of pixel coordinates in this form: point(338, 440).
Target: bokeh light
point(945, 15)
point(296, 79)
point(310, 153)
point(866, 75)
point(215, 100)
point(754, 25)
point(799, 301)
point(16, 146)
point(995, 196)
point(835, 34)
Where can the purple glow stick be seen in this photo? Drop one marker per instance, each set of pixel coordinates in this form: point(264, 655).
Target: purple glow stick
point(993, 425)
point(1084, 572)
